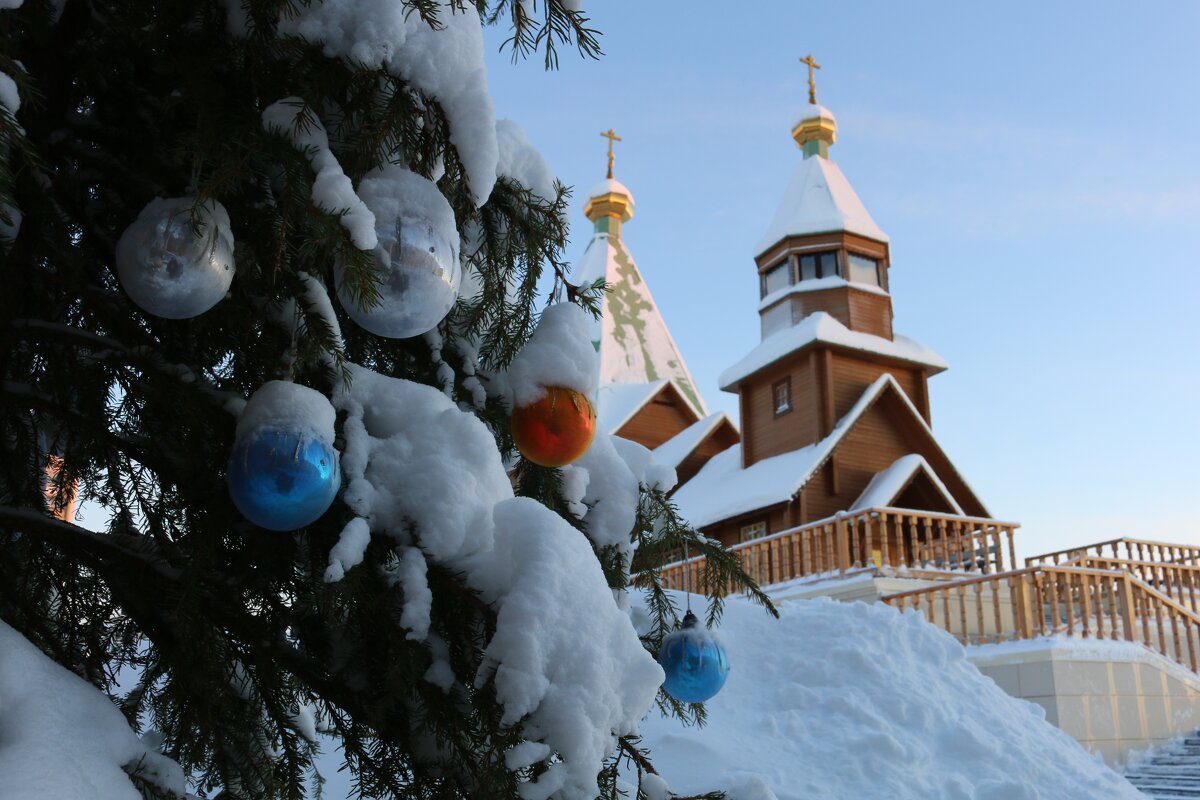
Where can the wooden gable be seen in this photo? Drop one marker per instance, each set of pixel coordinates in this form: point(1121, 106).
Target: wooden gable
point(889, 429)
point(664, 414)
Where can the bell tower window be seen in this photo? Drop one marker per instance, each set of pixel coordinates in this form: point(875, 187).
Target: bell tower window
point(782, 395)
point(818, 265)
point(777, 277)
point(864, 270)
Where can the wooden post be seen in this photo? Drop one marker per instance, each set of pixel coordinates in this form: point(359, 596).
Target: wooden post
point(842, 530)
point(1019, 589)
point(1124, 591)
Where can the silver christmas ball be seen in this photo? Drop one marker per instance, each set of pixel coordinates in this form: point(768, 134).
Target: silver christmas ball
point(421, 278)
point(170, 269)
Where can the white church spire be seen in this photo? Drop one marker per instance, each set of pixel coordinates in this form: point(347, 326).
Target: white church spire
point(634, 343)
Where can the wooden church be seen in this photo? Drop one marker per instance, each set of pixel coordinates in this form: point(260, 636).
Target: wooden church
point(833, 483)
point(834, 405)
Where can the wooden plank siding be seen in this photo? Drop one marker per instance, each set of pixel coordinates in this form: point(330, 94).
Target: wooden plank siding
point(769, 435)
point(729, 532)
point(658, 420)
point(852, 375)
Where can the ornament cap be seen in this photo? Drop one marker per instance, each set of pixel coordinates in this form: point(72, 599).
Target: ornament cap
point(689, 620)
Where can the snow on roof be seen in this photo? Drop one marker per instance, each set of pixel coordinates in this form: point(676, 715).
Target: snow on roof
point(816, 285)
point(611, 185)
point(821, 327)
point(673, 451)
point(616, 403)
point(817, 111)
point(631, 335)
point(722, 489)
point(889, 483)
point(819, 199)
point(851, 700)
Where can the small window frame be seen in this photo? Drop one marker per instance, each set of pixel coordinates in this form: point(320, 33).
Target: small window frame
point(755, 530)
point(784, 406)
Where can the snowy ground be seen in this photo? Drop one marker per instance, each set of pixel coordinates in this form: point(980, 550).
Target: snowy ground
point(849, 700)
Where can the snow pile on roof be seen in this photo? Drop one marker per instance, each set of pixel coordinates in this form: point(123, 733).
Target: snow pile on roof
point(816, 285)
point(848, 700)
point(446, 64)
point(817, 111)
point(819, 199)
point(673, 451)
point(617, 402)
point(823, 328)
point(887, 484)
point(611, 186)
point(61, 737)
point(566, 664)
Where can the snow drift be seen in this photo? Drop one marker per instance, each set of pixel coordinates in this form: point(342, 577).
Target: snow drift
point(849, 700)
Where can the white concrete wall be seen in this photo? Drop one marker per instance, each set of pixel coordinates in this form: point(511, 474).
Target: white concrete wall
point(1114, 698)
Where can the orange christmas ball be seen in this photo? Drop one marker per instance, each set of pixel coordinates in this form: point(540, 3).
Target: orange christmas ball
point(555, 430)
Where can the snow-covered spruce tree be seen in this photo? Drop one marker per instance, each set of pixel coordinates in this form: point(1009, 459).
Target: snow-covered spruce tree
point(456, 623)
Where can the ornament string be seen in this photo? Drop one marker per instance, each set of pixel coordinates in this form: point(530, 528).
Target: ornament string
point(687, 577)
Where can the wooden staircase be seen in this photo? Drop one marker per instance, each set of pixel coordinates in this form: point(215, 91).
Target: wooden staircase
point(1172, 773)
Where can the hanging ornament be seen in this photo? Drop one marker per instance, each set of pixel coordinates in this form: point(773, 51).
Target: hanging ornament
point(694, 662)
point(417, 255)
point(555, 430)
point(284, 471)
point(171, 269)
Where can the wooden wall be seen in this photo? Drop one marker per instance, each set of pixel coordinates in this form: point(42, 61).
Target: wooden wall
point(764, 434)
point(657, 421)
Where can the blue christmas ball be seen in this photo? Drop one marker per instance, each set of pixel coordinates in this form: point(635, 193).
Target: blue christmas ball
point(283, 478)
point(694, 662)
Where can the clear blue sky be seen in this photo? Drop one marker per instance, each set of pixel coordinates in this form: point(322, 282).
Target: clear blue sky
point(1037, 168)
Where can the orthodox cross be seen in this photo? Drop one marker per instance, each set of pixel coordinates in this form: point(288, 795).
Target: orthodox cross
point(611, 135)
point(812, 84)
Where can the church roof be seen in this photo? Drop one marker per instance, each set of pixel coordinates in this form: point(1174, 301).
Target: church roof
point(890, 483)
point(723, 489)
point(820, 327)
point(617, 403)
point(673, 451)
point(634, 342)
point(819, 199)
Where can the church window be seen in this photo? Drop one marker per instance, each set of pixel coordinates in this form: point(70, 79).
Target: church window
point(777, 277)
point(829, 265)
point(756, 530)
point(864, 270)
point(782, 393)
point(808, 267)
point(818, 265)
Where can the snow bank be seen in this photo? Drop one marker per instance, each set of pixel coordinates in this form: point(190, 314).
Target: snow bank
point(446, 64)
point(60, 737)
point(568, 666)
point(848, 700)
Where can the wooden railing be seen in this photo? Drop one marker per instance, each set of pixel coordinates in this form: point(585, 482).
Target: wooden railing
point(1126, 549)
point(882, 539)
point(1180, 582)
point(1049, 600)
